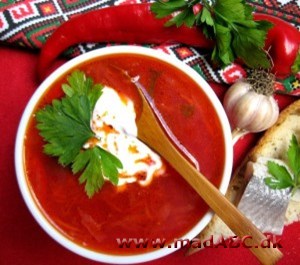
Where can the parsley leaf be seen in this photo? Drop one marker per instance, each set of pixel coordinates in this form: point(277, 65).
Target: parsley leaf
point(280, 176)
point(186, 16)
point(208, 25)
point(79, 84)
point(222, 53)
point(280, 179)
point(93, 171)
point(294, 157)
point(229, 22)
point(88, 161)
point(65, 126)
point(166, 8)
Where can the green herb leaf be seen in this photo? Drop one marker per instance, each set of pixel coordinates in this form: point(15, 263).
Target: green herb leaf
point(281, 178)
point(110, 163)
point(229, 22)
point(233, 10)
point(222, 52)
point(95, 164)
point(79, 84)
point(246, 41)
point(206, 17)
point(88, 162)
point(185, 17)
point(163, 8)
point(65, 126)
point(294, 156)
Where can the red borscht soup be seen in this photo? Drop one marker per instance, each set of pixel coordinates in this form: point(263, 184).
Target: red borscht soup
point(167, 208)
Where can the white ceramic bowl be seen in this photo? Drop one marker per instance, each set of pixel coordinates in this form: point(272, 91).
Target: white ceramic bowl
point(19, 151)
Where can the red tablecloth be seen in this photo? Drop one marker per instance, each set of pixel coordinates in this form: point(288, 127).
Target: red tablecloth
point(22, 241)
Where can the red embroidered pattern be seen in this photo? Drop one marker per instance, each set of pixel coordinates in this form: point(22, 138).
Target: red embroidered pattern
point(29, 23)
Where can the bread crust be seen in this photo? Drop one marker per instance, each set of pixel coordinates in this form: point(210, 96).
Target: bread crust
point(271, 135)
point(273, 143)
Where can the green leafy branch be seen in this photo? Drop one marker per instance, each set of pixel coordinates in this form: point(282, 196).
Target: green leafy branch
point(229, 22)
point(65, 126)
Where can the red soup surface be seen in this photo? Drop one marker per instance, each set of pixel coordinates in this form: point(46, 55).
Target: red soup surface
point(165, 209)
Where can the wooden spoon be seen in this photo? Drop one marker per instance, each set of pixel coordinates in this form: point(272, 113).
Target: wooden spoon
point(151, 133)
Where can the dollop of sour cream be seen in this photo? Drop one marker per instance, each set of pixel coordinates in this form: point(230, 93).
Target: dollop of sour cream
point(113, 122)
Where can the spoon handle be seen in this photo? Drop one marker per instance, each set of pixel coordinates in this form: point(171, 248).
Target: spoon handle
point(152, 134)
point(235, 220)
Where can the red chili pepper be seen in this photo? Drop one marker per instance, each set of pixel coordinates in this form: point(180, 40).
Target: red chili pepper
point(133, 23)
point(283, 43)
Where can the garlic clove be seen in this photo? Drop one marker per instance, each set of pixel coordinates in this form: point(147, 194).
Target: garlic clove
point(237, 90)
point(249, 110)
point(245, 111)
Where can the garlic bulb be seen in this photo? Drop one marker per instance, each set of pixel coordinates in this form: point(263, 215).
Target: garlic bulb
point(249, 109)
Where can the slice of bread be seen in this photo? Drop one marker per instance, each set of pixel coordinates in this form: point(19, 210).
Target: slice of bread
point(274, 143)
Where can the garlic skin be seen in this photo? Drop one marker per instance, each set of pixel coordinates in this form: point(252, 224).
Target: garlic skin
point(248, 110)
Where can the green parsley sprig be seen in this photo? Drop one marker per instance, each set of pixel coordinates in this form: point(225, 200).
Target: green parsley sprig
point(65, 126)
point(229, 22)
point(281, 178)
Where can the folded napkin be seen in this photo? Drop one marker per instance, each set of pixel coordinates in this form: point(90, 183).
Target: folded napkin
point(29, 23)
